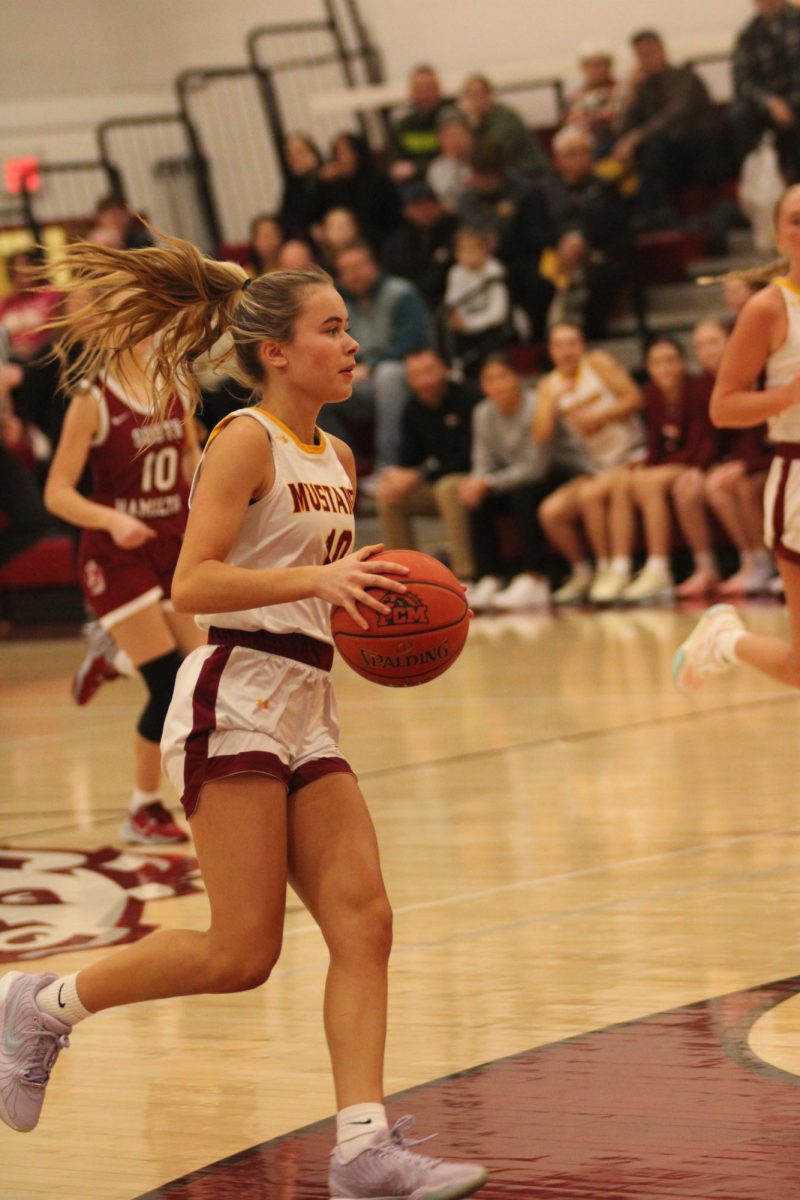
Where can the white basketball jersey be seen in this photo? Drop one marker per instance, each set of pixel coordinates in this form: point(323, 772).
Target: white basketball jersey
point(783, 365)
point(617, 441)
point(306, 519)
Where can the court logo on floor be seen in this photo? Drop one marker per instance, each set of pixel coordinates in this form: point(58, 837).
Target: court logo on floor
point(57, 900)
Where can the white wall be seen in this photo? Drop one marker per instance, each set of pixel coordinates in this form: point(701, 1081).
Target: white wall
point(65, 65)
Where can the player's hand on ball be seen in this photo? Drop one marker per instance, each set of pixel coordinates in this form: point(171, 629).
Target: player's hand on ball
point(346, 580)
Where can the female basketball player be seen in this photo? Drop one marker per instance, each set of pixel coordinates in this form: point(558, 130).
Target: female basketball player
point(600, 404)
point(766, 337)
point(251, 736)
point(734, 487)
point(133, 524)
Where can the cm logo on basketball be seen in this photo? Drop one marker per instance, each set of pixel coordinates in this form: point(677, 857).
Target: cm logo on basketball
point(406, 609)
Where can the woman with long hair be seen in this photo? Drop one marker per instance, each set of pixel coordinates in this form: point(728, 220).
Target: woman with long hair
point(765, 341)
point(132, 524)
point(251, 737)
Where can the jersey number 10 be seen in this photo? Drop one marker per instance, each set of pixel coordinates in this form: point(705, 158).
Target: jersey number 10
point(160, 469)
point(337, 544)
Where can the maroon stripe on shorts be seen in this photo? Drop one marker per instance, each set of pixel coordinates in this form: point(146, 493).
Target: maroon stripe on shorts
point(318, 769)
point(255, 762)
point(786, 449)
point(297, 646)
point(777, 509)
point(204, 722)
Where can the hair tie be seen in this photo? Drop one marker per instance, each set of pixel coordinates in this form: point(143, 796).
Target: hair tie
point(246, 284)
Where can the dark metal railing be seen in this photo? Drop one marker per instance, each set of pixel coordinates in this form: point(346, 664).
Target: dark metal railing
point(67, 192)
point(152, 151)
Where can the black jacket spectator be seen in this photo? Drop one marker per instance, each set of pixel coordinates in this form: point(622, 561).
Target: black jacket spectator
point(422, 248)
point(302, 204)
point(766, 80)
point(668, 126)
point(438, 440)
point(414, 138)
point(353, 180)
point(503, 204)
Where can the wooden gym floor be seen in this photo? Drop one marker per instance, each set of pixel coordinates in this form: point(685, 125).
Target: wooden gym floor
point(596, 884)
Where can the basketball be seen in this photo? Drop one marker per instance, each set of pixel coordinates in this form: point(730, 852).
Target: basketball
point(420, 638)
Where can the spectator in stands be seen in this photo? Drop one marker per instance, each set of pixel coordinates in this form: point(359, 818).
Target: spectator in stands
point(24, 517)
point(585, 223)
point(680, 436)
point(414, 138)
point(352, 179)
point(511, 475)
point(26, 309)
point(499, 201)
point(125, 229)
point(434, 458)
point(301, 203)
point(337, 229)
point(498, 124)
point(477, 301)
point(266, 239)
point(296, 255)
point(389, 320)
point(766, 80)
point(421, 250)
point(596, 399)
point(596, 106)
point(668, 127)
point(734, 487)
point(450, 170)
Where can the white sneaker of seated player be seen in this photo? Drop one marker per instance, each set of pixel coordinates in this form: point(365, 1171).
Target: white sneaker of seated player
point(524, 591)
point(481, 593)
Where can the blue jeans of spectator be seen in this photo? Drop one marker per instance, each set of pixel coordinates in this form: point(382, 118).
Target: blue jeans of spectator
point(379, 401)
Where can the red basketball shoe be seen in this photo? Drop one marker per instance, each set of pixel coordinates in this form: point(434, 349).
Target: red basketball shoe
point(97, 666)
point(152, 825)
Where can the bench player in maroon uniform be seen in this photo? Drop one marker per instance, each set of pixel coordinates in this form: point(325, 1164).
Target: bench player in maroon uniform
point(133, 523)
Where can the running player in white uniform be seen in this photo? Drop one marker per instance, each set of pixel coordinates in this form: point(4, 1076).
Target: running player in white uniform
point(250, 738)
point(766, 337)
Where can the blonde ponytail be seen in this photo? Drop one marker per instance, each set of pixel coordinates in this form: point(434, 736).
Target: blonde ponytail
point(182, 301)
point(767, 271)
point(762, 274)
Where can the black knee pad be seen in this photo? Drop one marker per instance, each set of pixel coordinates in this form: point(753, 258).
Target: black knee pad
point(159, 675)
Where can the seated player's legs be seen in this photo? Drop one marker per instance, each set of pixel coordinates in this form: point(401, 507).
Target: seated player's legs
point(689, 500)
point(651, 488)
point(559, 514)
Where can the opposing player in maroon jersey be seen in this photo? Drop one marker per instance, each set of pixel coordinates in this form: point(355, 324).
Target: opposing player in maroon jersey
point(133, 525)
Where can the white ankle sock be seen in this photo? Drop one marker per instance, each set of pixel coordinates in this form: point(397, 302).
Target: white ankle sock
point(621, 563)
point(658, 562)
point(582, 569)
point(726, 644)
point(356, 1126)
point(602, 564)
point(60, 999)
point(122, 663)
point(139, 798)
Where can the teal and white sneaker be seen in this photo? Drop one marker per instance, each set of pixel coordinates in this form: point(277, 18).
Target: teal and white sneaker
point(701, 655)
